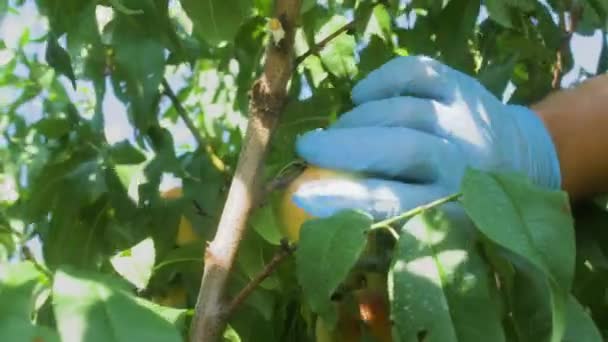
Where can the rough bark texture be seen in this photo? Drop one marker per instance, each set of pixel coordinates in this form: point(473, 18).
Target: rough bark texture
point(268, 96)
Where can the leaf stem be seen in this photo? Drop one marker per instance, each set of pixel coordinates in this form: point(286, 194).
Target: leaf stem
point(416, 211)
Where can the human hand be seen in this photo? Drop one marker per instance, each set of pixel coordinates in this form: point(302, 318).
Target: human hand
point(417, 126)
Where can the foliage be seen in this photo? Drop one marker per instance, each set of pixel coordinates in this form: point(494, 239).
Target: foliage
point(89, 246)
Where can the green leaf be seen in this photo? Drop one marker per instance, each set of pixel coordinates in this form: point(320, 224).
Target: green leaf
point(59, 59)
point(363, 13)
point(538, 307)
point(380, 23)
point(53, 127)
point(327, 250)
point(552, 35)
point(18, 283)
point(125, 153)
point(217, 20)
point(139, 62)
point(74, 17)
point(123, 9)
point(91, 308)
point(499, 11)
point(261, 300)
point(593, 16)
point(136, 263)
point(338, 56)
point(251, 259)
point(7, 243)
point(248, 50)
point(176, 317)
point(454, 27)
point(439, 284)
point(420, 39)
point(250, 325)
point(534, 223)
point(70, 238)
point(264, 222)
point(581, 327)
point(496, 76)
point(374, 55)
point(22, 330)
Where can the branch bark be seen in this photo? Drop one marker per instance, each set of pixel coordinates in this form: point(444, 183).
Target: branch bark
point(268, 95)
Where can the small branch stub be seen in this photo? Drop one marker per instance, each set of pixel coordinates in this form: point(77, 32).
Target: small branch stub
point(277, 33)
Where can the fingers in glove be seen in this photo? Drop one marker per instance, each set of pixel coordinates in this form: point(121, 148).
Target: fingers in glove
point(395, 152)
point(412, 75)
point(400, 111)
point(380, 198)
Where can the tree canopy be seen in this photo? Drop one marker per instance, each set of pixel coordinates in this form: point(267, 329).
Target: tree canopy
point(121, 124)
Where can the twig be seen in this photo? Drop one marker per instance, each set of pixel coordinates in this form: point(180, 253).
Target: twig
point(268, 97)
point(285, 251)
point(183, 114)
point(29, 256)
point(320, 45)
point(285, 176)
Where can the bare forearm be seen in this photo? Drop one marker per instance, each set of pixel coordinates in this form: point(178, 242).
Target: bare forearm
point(577, 120)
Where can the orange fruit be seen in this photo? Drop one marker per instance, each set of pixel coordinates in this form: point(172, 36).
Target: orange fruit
point(290, 215)
point(185, 232)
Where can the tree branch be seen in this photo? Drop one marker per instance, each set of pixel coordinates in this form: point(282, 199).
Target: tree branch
point(268, 95)
point(285, 251)
point(183, 114)
point(320, 45)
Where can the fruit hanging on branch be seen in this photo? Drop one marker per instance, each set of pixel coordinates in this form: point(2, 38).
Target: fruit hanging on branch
point(362, 302)
point(291, 216)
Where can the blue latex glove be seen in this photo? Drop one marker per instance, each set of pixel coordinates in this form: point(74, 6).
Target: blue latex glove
point(415, 148)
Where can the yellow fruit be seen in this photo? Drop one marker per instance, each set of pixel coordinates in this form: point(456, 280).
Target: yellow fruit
point(185, 232)
point(175, 297)
point(292, 216)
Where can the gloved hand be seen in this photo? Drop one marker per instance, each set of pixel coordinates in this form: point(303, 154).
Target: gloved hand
point(414, 148)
